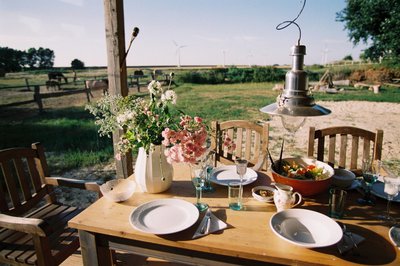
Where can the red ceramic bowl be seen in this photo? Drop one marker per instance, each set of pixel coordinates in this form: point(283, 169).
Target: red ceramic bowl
point(306, 187)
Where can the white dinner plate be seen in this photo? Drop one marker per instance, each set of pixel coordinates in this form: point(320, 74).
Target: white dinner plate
point(306, 228)
point(164, 216)
point(378, 190)
point(224, 174)
point(394, 235)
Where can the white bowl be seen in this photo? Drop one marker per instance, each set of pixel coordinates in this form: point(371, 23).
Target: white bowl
point(343, 178)
point(260, 196)
point(118, 190)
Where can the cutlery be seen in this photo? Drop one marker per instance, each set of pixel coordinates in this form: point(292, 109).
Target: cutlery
point(206, 226)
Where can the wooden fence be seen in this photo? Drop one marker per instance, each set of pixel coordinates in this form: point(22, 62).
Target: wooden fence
point(38, 97)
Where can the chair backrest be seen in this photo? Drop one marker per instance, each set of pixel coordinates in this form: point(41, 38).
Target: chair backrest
point(354, 144)
point(22, 179)
point(251, 141)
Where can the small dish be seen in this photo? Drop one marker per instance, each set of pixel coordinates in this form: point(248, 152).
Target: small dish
point(343, 178)
point(118, 190)
point(263, 193)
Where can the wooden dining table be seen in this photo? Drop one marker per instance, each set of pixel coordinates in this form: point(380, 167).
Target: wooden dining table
point(248, 239)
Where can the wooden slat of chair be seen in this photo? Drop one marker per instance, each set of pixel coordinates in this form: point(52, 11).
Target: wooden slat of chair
point(354, 152)
point(26, 190)
point(11, 187)
point(332, 150)
point(343, 151)
point(247, 154)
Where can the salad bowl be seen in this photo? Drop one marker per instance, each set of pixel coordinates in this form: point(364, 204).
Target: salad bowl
point(307, 176)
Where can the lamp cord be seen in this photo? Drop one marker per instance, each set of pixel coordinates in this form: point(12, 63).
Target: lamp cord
point(287, 23)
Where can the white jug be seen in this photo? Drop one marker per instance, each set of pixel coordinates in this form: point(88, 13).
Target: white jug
point(285, 198)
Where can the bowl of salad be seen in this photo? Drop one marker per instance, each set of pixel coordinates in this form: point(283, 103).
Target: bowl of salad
point(306, 175)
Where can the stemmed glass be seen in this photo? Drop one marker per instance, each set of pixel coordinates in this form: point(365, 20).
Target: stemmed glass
point(198, 180)
point(241, 168)
point(208, 167)
point(391, 189)
point(292, 124)
point(370, 176)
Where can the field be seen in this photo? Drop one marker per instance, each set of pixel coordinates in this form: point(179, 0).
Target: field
point(67, 130)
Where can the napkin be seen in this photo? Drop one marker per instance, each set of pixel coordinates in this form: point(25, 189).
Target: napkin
point(349, 241)
point(215, 225)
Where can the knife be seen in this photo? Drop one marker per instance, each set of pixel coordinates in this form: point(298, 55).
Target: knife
point(206, 226)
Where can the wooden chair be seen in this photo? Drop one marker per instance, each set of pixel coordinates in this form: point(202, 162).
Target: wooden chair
point(33, 227)
point(251, 141)
point(364, 144)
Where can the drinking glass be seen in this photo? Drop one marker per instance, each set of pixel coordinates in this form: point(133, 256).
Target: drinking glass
point(198, 180)
point(292, 124)
point(391, 189)
point(241, 168)
point(370, 176)
point(208, 168)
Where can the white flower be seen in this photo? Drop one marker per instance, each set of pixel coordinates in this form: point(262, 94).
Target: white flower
point(154, 87)
point(169, 96)
point(123, 118)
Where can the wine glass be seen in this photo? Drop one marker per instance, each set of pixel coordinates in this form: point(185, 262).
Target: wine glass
point(208, 167)
point(370, 176)
point(391, 189)
point(292, 124)
point(198, 180)
point(241, 168)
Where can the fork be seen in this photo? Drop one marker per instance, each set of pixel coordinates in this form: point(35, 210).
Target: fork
point(206, 226)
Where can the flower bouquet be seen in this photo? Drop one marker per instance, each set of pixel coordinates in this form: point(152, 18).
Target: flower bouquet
point(147, 124)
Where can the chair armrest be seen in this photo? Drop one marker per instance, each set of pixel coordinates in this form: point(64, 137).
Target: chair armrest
point(27, 225)
point(73, 183)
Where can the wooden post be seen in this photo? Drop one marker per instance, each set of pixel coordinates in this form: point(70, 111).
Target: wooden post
point(117, 77)
point(38, 98)
point(27, 84)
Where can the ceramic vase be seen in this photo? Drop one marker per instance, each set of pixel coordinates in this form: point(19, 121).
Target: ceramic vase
point(152, 171)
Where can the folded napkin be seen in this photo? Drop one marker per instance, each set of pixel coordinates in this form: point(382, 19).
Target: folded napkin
point(349, 241)
point(215, 224)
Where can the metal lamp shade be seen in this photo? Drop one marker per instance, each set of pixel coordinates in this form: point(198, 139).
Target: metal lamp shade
point(296, 99)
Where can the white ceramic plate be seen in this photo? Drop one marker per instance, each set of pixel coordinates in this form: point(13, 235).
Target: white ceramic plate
point(306, 228)
point(164, 216)
point(225, 174)
point(394, 235)
point(378, 190)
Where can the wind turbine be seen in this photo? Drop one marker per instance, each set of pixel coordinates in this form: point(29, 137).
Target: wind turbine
point(178, 52)
point(325, 55)
point(224, 57)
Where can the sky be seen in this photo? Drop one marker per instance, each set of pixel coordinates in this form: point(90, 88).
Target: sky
point(205, 32)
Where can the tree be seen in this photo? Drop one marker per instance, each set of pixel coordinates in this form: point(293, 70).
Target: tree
point(77, 64)
point(348, 58)
point(30, 58)
point(45, 58)
point(10, 59)
point(375, 23)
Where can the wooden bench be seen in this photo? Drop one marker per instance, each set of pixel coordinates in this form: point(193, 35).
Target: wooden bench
point(33, 226)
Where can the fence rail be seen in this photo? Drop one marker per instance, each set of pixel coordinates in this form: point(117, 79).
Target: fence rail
point(37, 97)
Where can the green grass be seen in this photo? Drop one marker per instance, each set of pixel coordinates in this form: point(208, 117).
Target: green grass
point(68, 134)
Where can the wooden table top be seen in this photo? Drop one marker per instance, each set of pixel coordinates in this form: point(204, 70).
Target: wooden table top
point(248, 235)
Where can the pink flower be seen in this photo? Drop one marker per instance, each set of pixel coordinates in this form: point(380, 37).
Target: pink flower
point(118, 156)
point(188, 143)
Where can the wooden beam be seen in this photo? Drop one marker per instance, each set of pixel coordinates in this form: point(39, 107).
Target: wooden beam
point(117, 77)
